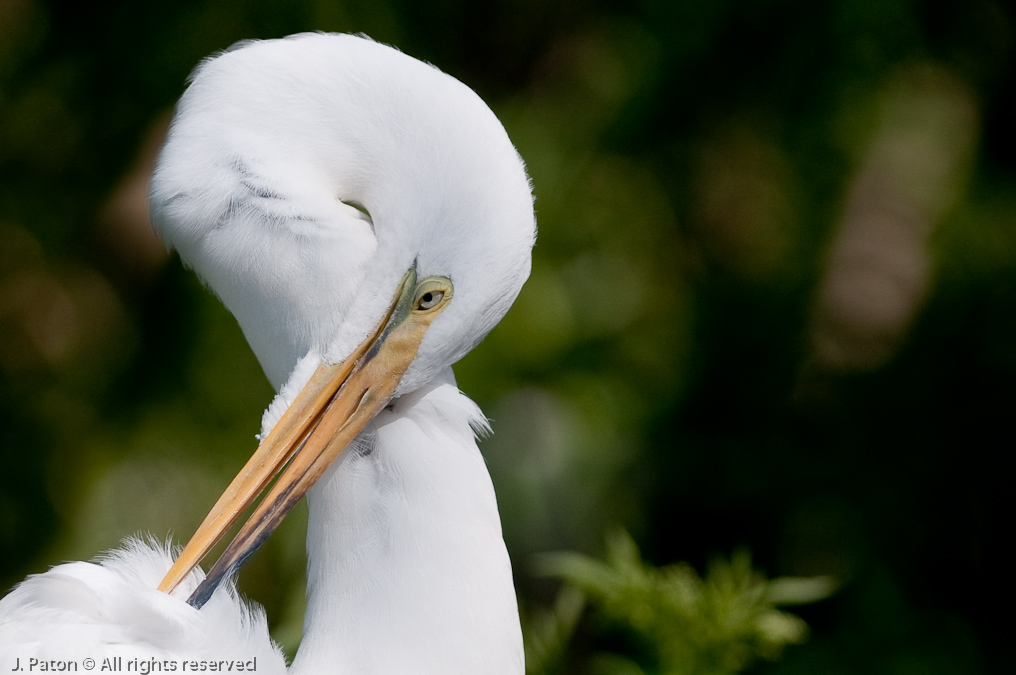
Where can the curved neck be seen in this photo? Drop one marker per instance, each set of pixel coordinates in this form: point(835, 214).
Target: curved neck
point(408, 571)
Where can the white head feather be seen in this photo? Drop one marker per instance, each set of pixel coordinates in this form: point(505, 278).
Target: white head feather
point(271, 144)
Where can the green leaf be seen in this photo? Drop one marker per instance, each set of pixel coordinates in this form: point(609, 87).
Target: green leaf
point(692, 626)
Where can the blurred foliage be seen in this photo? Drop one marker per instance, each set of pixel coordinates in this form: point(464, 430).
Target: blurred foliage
point(692, 626)
point(773, 300)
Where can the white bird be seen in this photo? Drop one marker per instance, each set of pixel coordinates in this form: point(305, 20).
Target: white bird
point(367, 220)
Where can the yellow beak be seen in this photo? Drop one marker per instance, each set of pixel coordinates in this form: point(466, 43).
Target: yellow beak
point(334, 406)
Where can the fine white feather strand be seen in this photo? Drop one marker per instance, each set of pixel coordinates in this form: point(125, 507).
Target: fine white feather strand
point(112, 608)
point(298, 379)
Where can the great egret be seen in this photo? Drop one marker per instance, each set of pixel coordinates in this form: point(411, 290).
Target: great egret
point(367, 220)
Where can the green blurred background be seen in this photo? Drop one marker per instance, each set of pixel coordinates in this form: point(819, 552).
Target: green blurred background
point(773, 300)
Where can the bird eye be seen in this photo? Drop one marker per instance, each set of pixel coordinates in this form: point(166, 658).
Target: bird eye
point(432, 293)
point(430, 299)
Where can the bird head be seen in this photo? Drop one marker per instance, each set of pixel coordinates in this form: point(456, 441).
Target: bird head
point(347, 202)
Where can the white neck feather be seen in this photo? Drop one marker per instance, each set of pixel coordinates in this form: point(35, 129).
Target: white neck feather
point(408, 570)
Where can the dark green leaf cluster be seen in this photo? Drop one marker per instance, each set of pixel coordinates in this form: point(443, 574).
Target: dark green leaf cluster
point(691, 625)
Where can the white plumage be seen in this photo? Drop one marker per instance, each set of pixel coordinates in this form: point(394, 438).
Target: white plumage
point(112, 609)
point(273, 141)
point(309, 181)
